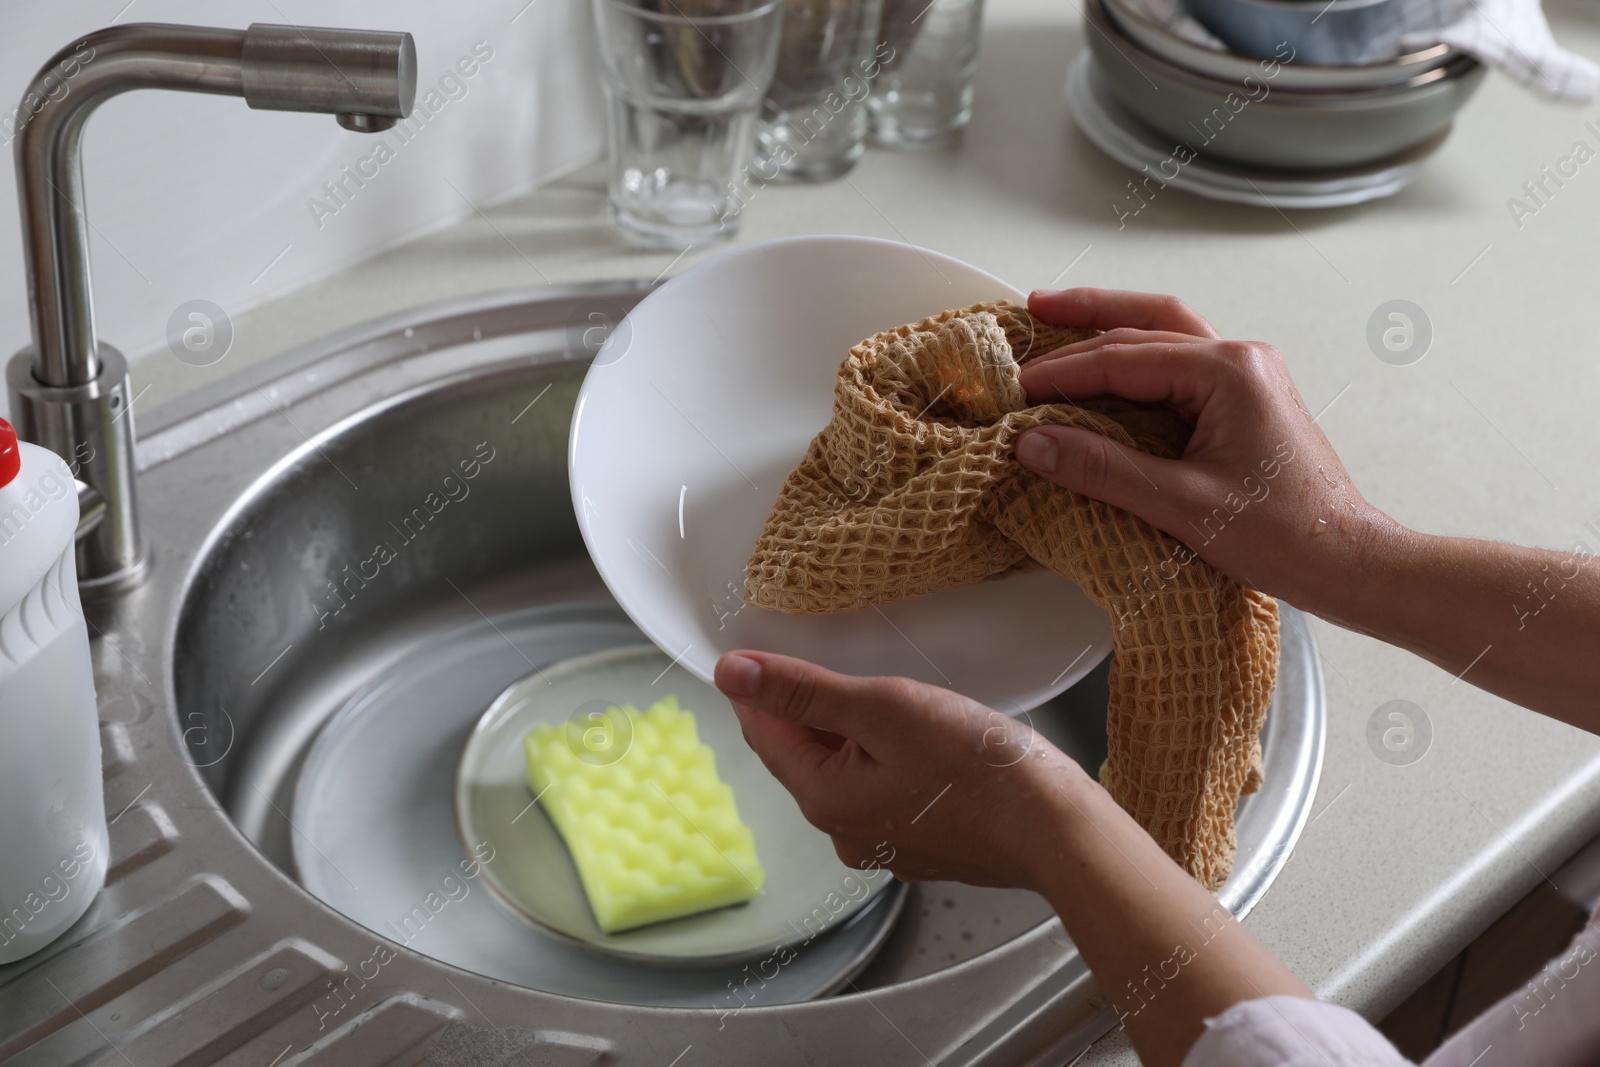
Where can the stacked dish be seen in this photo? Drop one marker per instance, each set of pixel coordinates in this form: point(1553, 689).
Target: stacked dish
point(1273, 118)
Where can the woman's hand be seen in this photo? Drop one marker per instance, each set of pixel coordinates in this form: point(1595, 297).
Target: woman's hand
point(932, 785)
point(1259, 493)
point(918, 779)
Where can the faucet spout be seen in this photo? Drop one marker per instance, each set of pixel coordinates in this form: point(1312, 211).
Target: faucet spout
point(337, 72)
point(69, 391)
point(277, 68)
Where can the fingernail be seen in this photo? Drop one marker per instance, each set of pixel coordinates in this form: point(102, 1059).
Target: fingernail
point(1037, 451)
point(740, 676)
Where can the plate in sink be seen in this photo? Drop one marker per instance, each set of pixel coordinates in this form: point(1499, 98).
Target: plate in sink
point(534, 873)
point(700, 404)
point(375, 832)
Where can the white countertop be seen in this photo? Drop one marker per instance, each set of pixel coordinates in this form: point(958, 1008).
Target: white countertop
point(1492, 434)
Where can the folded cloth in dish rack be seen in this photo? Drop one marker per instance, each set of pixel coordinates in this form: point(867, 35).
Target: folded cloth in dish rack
point(912, 488)
point(1512, 36)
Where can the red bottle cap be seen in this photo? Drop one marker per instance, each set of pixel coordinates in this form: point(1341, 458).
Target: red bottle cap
point(10, 454)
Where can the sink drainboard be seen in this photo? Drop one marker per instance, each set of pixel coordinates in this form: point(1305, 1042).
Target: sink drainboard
point(269, 501)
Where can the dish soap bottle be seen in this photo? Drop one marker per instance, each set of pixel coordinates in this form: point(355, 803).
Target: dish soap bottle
point(53, 844)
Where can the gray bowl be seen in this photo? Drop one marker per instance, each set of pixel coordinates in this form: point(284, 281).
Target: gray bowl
point(1336, 32)
point(1297, 74)
point(1251, 122)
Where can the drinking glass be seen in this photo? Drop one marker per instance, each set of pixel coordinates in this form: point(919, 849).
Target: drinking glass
point(814, 121)
point(684, 82)
point(924, 94)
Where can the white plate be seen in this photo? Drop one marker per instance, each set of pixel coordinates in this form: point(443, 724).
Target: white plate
point(535, 874)
point(1128, 141)
point(702, 402)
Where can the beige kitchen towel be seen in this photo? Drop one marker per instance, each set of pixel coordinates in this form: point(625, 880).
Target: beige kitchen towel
point(913, 488)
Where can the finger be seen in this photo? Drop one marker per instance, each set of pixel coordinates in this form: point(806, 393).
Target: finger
point(1106, 309)
point(1185, 375)
point(793, 753)
point(1159, 491)
point(854, 854)
point(1122, 335)
point(805, 694)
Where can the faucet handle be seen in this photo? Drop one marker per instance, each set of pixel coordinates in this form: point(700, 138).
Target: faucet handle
point(368, 78)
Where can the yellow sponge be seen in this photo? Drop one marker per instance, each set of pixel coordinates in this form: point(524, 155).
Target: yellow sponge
point(654, 832)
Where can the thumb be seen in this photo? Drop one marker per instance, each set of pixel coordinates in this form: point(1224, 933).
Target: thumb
point(797, 692)
point(1092, 464)
point(792, 713)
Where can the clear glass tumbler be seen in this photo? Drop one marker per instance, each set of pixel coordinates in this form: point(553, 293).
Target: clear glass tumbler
point(814, 121)
point(924, 94)
point(684, 82)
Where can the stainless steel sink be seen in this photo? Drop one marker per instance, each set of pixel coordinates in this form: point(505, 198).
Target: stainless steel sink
point(262, 499)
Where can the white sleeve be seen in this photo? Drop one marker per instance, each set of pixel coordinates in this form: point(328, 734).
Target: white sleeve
point(1291, 1032)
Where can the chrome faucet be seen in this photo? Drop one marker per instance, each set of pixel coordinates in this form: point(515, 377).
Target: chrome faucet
point(68, 391)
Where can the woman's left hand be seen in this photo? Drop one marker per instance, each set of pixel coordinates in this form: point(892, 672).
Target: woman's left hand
point(931, 785)
point(901, 774)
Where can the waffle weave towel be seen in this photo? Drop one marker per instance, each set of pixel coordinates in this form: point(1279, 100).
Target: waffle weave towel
point(912, 488)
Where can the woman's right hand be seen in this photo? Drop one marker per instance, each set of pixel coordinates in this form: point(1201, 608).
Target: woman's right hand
point(1259, 493)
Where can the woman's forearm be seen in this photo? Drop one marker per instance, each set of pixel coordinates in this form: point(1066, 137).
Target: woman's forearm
point(1519, 622)
point(1165, 951)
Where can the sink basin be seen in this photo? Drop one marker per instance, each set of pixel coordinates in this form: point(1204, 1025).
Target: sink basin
point(268, 605)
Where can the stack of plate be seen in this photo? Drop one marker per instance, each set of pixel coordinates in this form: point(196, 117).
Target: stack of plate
point(1234, 127)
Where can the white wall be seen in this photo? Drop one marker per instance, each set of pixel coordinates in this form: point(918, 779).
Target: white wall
point(201, 197)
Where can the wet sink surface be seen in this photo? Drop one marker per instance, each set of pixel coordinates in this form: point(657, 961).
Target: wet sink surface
point(312, 523)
